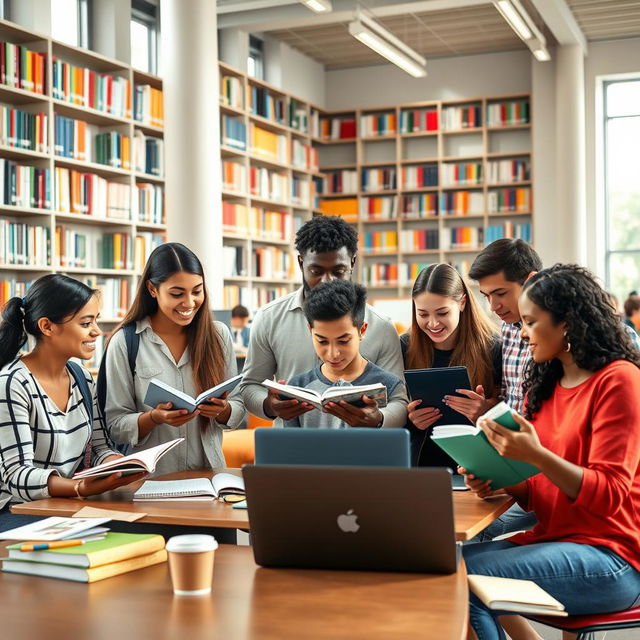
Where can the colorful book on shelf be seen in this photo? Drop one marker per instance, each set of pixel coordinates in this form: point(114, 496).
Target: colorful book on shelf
point(519, 596)
point(142, 461)
point(159, 392)
point(22, 68)
point(351, 394)
point(469, 447)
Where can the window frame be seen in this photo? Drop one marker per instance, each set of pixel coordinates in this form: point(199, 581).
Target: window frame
point(608, 251)
point(256, 53)
point(147, 13)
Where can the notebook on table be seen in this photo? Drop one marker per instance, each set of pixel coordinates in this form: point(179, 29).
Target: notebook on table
point(359, 518)
point(360, 447)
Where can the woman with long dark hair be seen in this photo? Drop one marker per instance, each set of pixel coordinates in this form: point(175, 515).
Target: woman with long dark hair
point(448, 329)
point(45, 424)
point(180, 344)
point(582, 430)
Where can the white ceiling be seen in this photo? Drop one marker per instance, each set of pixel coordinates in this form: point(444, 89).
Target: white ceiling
point(432, 27)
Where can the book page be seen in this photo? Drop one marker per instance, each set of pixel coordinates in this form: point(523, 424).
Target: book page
point(450, 430)
point(498, 592)
point(176, 489)
point(225, 482)
point(219, 389)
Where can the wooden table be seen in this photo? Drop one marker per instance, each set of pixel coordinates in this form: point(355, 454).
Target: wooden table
point(247, 602)
point(471, 514)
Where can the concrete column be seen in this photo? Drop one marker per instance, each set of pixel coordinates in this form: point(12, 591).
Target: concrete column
point(32, 14)
point(192, 132)
point(571, 217)
point(111, 29)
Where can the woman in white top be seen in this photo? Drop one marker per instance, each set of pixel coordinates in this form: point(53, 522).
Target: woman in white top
point(180, 344)
point(44, 425)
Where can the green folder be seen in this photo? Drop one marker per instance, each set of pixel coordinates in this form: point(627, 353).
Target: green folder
point(469, 447)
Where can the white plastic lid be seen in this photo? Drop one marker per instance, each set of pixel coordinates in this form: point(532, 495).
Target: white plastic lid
point(192, 543)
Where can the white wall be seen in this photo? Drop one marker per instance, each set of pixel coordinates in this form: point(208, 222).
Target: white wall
point(447, 79)
point(605, 60)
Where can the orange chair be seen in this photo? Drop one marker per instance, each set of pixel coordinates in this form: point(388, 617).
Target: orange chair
point(238, 446)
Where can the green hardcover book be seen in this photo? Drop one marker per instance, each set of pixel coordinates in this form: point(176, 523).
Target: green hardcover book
point(469, 447)
point(114, 547)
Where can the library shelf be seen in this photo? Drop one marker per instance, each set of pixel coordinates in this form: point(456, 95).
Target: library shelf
point(116, 117)
point(149, 177)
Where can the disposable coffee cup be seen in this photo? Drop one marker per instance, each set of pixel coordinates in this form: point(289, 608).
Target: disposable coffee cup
point(191, 564)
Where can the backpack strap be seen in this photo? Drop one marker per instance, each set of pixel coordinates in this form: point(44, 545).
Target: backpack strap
point(132, 340)
point(77, 373)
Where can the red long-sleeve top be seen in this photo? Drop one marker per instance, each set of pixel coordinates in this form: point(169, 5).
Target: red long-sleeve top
point(595, 425)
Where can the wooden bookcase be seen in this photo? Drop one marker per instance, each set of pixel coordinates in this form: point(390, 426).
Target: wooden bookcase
point(408, 188)
point(85, 225)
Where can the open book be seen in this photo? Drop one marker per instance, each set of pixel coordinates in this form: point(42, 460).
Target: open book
point(469, 447)
point(509, 594)
point(135, 463)
point(159, 392)
point(193, 489)
point(348, 393)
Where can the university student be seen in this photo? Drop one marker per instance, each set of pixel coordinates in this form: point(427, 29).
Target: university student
point(240, 327)
point(280, 345)
point(448, 328)
point(181, 345)
point(45, 426)
point(582, 430)
point(335, 312)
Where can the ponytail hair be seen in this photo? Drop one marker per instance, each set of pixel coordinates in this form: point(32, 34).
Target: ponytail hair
point(54, 296)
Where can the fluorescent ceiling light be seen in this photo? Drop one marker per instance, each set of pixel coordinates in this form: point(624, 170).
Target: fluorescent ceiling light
point(511, 15)
point(521, 22)
point(384, 43)
point(319, 6)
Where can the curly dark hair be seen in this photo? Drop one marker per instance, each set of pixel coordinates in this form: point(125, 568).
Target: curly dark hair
point(571, 295)
point(335, 299)
point(326, 233)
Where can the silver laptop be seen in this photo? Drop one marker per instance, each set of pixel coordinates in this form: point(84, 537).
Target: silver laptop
point(360, 447)
point(359, 518)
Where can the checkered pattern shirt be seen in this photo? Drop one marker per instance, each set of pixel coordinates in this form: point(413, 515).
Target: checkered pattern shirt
point(515, 355)
point(37, 439)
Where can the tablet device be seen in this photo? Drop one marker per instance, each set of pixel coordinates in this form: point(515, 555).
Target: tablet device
point(432, 385)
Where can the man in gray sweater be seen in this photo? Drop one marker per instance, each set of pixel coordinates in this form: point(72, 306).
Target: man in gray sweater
point(280, 343)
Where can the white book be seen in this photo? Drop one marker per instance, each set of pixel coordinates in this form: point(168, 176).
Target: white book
point(192, 489)
point(349, 393)
point(135, 463)
point(53, 529)
point(159, 392)
point(509, 594)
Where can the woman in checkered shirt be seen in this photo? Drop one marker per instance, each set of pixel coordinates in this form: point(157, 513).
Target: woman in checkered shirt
point(44, 425)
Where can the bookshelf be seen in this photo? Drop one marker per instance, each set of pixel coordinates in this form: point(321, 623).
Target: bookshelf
point(81, 168)
point(269, 168)
point(426, 182)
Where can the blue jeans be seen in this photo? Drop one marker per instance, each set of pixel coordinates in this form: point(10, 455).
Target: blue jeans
point(586, 579)
point(513, 519)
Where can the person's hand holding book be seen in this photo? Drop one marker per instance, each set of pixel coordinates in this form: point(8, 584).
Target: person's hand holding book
point(521, 445)
point(423, 418)
point(99, 484)
point(217, 409)
point(273, 406)
point(163, 414)
point(367, 416)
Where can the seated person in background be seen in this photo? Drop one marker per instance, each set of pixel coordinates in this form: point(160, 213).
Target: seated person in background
point(582, 430)
point(280, 345)
point(448, 328)
point(45, 425)
point(632, 312)
point(240, 329)
point(335, 313)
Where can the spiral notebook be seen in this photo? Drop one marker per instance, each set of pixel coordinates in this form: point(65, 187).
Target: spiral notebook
point(191, 489)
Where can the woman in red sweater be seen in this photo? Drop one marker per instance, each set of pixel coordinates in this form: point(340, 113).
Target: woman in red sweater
point(582, 430)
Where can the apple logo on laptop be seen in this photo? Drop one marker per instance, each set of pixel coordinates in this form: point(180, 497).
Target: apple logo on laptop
point(348, 522)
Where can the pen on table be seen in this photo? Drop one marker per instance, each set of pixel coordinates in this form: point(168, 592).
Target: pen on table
point(57, 544)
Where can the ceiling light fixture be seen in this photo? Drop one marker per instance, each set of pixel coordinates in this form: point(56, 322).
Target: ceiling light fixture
point(383, 42)
point(319, 6)
point(522, 23)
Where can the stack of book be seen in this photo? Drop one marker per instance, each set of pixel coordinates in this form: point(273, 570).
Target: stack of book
point(95, 560)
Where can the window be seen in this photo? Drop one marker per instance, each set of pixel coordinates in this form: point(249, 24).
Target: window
point(144, 36)
point(255, 63)
point(621, 184)
point(70, 20)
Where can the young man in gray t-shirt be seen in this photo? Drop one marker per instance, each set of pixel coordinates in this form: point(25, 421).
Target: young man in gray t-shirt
point(335, 312)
